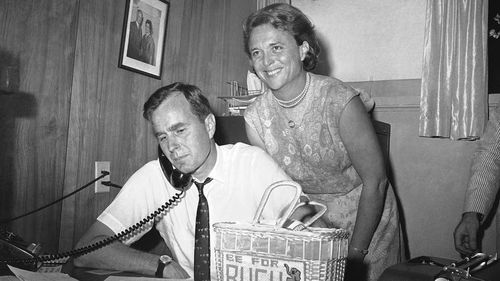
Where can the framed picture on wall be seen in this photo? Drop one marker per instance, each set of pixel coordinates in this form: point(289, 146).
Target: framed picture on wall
point(143, 36)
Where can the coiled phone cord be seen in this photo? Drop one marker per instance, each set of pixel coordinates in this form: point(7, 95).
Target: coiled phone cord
point(90, 248)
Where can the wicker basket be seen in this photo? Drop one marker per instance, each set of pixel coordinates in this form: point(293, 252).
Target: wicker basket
point(255, 251)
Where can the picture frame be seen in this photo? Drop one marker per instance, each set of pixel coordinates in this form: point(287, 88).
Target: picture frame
point(143, 36)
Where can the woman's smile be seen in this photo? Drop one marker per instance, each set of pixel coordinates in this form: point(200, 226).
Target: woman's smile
point(277, 59)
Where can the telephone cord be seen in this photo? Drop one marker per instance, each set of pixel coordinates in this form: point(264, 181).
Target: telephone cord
point(104, 173)
point(95, 246)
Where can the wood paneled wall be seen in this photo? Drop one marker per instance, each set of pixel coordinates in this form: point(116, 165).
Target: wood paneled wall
point(37, 37)
point(75, 106)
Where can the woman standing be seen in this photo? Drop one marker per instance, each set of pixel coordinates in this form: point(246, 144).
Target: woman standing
point(147, 51)
point(318, 130)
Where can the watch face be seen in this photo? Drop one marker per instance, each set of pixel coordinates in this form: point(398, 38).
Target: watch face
point(165, 259)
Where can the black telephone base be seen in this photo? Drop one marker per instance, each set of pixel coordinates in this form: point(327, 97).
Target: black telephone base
point(13, 247)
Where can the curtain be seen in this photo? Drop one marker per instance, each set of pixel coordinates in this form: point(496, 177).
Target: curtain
point(454, 97)
point(263, 3)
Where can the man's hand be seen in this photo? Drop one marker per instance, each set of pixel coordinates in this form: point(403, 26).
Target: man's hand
point(306, 212)
point(466, 234)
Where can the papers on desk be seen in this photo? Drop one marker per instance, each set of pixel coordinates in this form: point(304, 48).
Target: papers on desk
point(25, 275)
point(9, 278)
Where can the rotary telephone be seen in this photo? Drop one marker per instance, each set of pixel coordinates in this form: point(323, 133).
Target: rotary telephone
point(17, 252)
point(13, 246)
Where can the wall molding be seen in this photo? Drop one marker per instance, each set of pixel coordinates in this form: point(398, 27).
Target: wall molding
point(397, 95)
point(404, 102)
point(413, 102)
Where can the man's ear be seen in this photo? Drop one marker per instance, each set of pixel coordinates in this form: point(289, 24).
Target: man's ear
point(250, 66)
point(303, 49)
point(210, 125)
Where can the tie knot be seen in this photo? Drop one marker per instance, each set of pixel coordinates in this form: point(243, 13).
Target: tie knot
point(200, 185)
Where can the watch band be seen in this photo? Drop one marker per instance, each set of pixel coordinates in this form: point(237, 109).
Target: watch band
point(162, 262)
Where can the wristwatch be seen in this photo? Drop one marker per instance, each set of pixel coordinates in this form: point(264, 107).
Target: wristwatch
point(364, 252)
point(162, 262)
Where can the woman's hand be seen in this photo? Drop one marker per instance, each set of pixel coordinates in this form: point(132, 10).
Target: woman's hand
point(356, 254)
point(356, 269)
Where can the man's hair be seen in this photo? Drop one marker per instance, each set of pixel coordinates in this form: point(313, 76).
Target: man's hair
point(286, 18)
point(198, 102)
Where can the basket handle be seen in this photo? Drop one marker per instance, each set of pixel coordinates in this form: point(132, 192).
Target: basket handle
point(265, 197)
point(314, 218)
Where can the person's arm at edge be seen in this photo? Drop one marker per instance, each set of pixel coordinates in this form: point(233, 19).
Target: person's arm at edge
point(465, 233)
point(484, 181)
point(482, 187)
point(360, 140)
point(118, 256)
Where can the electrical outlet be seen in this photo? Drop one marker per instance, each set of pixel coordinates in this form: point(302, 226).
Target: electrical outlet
point(99, 167)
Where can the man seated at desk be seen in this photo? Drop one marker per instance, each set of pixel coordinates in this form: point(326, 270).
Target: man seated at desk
point(236, 177)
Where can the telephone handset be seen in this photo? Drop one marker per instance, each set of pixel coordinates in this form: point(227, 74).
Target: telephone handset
point(27, 255)
point(176, 178)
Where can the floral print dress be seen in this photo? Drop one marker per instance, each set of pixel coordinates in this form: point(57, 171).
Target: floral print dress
point(305, 141)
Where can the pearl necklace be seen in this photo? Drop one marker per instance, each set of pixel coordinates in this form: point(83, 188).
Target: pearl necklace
point(296, 100)
point(290, 106)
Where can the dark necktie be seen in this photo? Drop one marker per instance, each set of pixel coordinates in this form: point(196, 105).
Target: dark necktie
point(202, 237)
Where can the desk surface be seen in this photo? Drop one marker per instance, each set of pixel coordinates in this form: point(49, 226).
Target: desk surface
point(86, 274)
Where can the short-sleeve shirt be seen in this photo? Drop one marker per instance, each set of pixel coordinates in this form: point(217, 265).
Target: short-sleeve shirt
point(240, 176)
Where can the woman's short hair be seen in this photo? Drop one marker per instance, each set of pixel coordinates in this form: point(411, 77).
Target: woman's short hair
point(286, 18)
point(150, 27)
point(198, 102)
